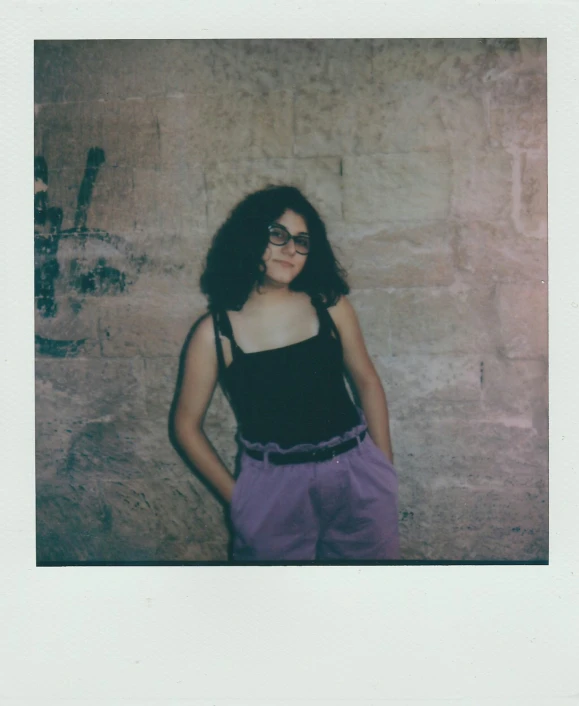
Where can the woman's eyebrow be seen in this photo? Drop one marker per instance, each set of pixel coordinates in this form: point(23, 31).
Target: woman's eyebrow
point(281, 225)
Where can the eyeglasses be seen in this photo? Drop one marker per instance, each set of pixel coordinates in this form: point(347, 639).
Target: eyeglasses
point(279, 235)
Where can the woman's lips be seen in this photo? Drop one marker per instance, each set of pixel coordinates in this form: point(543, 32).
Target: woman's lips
point(285, 263)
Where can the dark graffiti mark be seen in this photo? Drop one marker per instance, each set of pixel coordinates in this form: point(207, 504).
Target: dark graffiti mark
point(44, 278)
point(101, 279)
point(46, 244)
point(95, 159)
point(89, 274)
point(57, 349)
point(40, 187)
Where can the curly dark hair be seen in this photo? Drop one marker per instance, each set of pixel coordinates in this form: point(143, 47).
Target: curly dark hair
point(234, 265)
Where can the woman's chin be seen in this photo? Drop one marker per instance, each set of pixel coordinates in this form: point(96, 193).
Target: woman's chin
point(278, 281)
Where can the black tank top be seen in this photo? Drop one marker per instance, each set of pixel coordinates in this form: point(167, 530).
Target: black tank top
point(290, 395)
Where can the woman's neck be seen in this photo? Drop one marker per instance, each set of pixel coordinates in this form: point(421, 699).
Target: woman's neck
point(270, 295)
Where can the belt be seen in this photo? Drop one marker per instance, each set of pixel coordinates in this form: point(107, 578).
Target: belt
point(296, 457)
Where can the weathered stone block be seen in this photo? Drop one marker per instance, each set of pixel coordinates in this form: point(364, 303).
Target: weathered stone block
point(176, 116)
point(442, 322)
point(163, 67)
point(518, 110)
point(464, 65)
point(89, 389)
point(170, 201)
point(516, 544)
point(398, 60)
point(396, 187)
point(225, 126)
point(523, 319)
point(399, 256)
point(266, 64)
point(464, 119)
point(452, 519)
point(59, 131)
point(161, 254)
point(401, 118)
point(517, 389)
point(48, 72)
point(414, 517)
point(84, 71)
point(71, 521)
point(534, 54)
point(147, 516)
point(233, 114)
point(482, 185)
point(325, 123)
point(368, 118)
point(431, 386)
point(161, 375)
point(130, 133)
point(113, 207)
point(476, 453)
point(54, 436)
point(480, 525)
point(126, 327)
point(228, 183)
point(272, 122)
point(325, 63)
point(181, 66)
point(373, 308)
point(250, 65)
point(533, 216)
point(185, 551)
point(108, 448)
point(493, 252)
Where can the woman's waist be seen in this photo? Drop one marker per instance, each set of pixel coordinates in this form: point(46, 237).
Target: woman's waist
point(303, 435)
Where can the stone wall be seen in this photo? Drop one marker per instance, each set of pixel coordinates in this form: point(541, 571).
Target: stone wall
point(426, 158)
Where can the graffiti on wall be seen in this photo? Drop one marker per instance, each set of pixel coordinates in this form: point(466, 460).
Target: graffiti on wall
point(83, 276)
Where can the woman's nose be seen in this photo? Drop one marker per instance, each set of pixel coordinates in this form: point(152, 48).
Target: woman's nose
point(290, 246)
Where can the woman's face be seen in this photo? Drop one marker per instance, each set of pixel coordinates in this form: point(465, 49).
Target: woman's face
point(282, 262)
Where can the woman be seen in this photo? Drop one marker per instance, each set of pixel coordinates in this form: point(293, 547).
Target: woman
point(316, 478)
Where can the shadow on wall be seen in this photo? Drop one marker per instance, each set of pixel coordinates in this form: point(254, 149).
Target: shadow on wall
point(177, 446)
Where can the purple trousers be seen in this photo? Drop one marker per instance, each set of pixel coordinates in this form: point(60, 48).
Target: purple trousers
point(343, 508)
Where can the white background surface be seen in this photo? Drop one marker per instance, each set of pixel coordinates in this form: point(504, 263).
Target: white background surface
point(217, 636)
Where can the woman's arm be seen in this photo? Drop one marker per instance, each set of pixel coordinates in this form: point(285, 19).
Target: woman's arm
point(199, 380)
point(364, 375)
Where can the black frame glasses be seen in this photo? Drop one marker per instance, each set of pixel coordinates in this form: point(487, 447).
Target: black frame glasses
point(282, 236)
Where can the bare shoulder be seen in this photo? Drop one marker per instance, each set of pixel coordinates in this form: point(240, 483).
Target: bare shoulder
point(203, 328)
point(202, 334)
point(342, 311)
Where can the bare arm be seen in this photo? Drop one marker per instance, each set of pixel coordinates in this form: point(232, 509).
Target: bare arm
point(364, 375)
point(199, 380)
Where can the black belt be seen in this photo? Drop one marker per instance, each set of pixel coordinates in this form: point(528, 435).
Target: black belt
point(295, 457)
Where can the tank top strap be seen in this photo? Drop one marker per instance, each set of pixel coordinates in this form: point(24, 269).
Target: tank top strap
point(222, 326)
point(327, 324)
